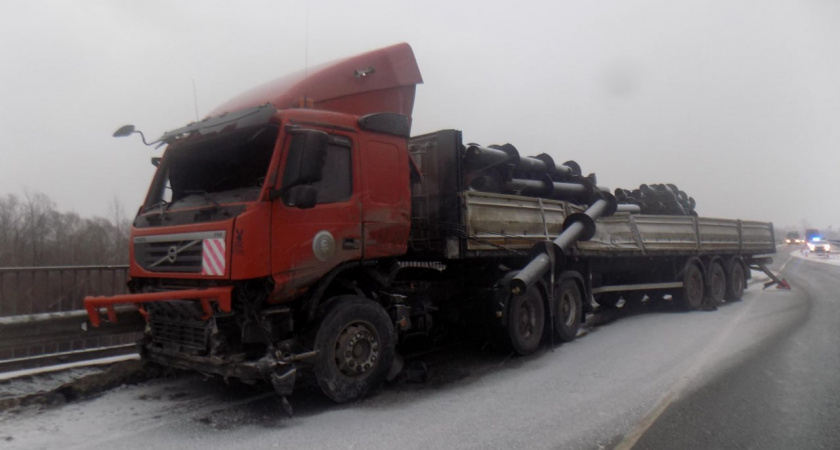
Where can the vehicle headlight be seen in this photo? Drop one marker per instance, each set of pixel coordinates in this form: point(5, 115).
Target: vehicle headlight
point(828, 247)
point(811, 247)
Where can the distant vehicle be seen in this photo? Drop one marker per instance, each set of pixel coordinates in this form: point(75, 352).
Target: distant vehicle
point(816, 242)
point(794, 238)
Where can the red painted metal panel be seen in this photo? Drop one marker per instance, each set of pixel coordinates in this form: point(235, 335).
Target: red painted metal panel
point(379, 81)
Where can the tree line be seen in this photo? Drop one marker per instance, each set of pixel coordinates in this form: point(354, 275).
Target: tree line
point(34, 233)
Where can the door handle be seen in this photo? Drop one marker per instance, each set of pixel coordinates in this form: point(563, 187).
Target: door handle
point(351, 244)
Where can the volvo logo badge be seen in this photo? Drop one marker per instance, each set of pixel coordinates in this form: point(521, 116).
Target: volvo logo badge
point(323, 245)
point(172, 254)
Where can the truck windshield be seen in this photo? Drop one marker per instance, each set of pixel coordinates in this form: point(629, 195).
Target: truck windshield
point(229, 168)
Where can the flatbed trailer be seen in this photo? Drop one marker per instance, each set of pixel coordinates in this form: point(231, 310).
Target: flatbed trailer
point(627, 255)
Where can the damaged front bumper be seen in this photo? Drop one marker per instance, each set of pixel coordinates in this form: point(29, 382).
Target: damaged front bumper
point(280, 371)
point(220, 295)
point(276, 367)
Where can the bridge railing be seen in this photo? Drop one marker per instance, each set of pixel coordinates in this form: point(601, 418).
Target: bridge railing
point(32, 300)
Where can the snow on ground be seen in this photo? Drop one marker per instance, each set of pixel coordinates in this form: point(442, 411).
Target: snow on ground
point(6, 376)
point(833, 258)
point(22, 384)
point(584, 394)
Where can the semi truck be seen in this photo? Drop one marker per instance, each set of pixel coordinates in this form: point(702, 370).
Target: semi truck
point(299, 232)
point(792, 237)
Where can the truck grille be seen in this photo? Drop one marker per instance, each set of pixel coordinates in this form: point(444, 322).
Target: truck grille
point(182, 253)
point(190, 337)
point(177, 323)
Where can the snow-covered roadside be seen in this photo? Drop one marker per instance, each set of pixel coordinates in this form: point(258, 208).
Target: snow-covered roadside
point(64, 367)
point(833, 259)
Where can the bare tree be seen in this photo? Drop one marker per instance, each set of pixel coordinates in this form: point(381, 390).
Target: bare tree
point(34, 233)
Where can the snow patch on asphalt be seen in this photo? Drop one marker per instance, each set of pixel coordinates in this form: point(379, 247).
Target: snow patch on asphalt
point(832, 258)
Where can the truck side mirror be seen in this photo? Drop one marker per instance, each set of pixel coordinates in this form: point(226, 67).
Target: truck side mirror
point(303, 196)
point(307, 154)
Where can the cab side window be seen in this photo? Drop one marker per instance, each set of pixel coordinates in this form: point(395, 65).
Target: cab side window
point(336, 185)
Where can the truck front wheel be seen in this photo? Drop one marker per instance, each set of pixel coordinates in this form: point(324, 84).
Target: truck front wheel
point(355, 344)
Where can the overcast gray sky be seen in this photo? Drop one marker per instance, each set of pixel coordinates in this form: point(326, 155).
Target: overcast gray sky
point(736, 102)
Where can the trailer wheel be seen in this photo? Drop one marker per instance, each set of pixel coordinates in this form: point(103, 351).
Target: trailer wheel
point(690, 297)
point(717, 283)
point(735, 282)
point(526, 321)
point(567, 310)
point(355, 344)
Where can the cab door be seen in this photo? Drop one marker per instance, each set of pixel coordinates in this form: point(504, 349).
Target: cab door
point(308, 240)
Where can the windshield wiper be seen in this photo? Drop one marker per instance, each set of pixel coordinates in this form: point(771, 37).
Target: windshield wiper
point(216, 205)
point(164, 205)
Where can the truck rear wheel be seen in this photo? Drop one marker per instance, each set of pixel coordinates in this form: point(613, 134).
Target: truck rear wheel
point(567, 310)
point(735, 282)
point(717, 283)
point(355, 344)
point(526, 321)
point(690, 297)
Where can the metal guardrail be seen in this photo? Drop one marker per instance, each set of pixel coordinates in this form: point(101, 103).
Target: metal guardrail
point(41, 312)
point(41, 330)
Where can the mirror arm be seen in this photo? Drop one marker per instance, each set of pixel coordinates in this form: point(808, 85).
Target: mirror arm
point(143, 137)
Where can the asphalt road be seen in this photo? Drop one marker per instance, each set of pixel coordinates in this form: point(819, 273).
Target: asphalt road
point(785, 394)
point(759, 373)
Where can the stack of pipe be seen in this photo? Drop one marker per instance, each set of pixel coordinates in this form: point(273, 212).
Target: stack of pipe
point(500, 169)
point(661, 199)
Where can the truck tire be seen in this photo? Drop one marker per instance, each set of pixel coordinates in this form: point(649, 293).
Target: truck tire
point(735, 282)
point(526, 321)
point(690, 296)
point(567, 310)
point(717, 283)
point(355, 344)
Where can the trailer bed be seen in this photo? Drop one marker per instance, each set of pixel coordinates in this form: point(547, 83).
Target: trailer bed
point(503, 223)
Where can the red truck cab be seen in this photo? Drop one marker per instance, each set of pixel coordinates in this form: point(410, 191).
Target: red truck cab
point(254, 211)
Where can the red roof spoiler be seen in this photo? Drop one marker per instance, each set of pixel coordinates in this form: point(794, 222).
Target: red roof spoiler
point(383, 80)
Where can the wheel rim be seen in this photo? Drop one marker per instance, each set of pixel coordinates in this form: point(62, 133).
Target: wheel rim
point(527, 319)
point(356, 349)
point(568, 308)
point(718, 282)
point(694, 287)
point(738, 280)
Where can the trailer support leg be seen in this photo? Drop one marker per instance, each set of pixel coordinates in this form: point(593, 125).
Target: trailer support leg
point(780, 282)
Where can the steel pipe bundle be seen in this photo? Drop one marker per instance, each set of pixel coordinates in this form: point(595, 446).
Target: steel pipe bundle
point(481, 158)
point(503, 170)
point(660, 199)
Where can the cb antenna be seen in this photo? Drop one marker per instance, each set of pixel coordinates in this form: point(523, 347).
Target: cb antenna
point(306, 45)
point(306, 57)
point(195, 100)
